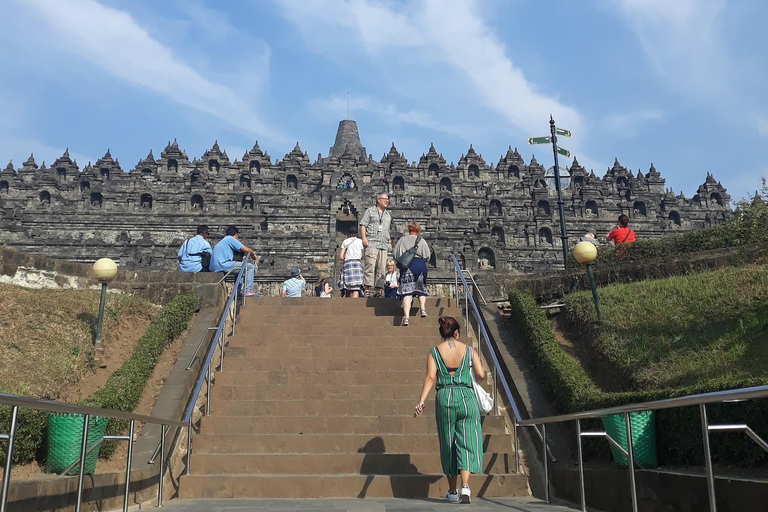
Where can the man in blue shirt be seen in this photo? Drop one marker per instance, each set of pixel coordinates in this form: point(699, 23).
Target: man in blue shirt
point(292, 287)
point(222, 259)
point(190, 254)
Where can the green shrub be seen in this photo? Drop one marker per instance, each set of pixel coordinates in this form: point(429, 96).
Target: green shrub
point(678, 430)
point(30, 431)
point(746, 227)
point(566, 383)
point(123, 389)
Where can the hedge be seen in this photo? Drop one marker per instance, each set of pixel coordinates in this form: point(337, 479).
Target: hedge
point(678, 431)
point(745, 228)
point(121, 391)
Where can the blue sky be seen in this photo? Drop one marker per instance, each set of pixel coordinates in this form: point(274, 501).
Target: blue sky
point(681, 84)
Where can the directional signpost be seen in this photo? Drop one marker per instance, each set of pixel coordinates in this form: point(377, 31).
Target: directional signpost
point(562, 132)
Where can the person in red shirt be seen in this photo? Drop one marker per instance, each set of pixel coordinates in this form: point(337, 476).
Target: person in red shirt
point(621, 233)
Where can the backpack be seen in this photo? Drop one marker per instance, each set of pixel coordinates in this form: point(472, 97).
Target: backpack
point(205, 258)
point(405, 259)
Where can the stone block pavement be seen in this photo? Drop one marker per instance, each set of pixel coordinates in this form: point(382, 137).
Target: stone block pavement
point(358, 505)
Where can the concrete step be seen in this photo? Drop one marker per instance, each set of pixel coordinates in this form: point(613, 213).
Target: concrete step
point(319, 378)
point(343, 486)
point(346, 308)
point(249, 345)
point(243, 348)
point(342, 425)
point(331, 443)
point(307, 392)
point(337, 320)
point(418, 327)
point(367, 304)
point(343, 407)
point(338, 464)
point(249, 360)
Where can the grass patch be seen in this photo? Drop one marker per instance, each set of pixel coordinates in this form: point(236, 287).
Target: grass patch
point(682, 330)
point(46, 336)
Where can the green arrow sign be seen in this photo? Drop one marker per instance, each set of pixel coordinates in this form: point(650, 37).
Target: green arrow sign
point(564, 152)
point(539, 140)
point(563, 132)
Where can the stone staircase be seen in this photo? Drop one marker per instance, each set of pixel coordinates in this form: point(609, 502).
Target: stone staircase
point(316, 400)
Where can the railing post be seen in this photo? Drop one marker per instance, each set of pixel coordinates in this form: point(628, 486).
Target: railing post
point(708, 458)
point(128, 467)
point(189, 444)
point(208, 393)
point(162, 468)
point(456, 283)
point(466, 310)
point(222, 340)
point(9, 457)
point(631, 462)
point(495, 390)
point(517, 444)
point(81, 472)
point(581, 467)
point(546, 462)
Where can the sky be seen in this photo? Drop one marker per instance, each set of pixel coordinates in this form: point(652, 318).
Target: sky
point(678, 84)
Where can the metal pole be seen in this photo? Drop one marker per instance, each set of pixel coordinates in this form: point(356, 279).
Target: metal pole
point(466, 310)
point(208, 393)
point(162, 469)
point(517, 444)
point(708, 458)
point(102, 301)
point(81, 472)
point(546, 465)
point(593, 286)
point(221, 348)
point(456, 282)
point(128, 467)
point(581, 468)
point(631, 461)
point(189, 444)
point(495, 391)
point(563, 232)
point(9, 458)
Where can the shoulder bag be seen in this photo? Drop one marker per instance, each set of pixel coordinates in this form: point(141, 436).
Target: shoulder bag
point(484, 399)
point(405, 259)
point(205, 257)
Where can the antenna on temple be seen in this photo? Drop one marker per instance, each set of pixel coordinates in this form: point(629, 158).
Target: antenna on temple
point(347, 105)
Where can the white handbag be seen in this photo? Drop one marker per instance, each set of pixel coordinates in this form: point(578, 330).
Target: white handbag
point(484, 398)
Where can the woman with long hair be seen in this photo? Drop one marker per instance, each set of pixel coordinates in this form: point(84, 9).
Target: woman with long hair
point(456, 409)
point(413, 280)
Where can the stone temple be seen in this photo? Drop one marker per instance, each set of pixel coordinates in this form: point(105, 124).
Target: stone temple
point(294, 212)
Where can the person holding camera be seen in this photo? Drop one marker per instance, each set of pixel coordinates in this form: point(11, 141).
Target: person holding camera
point(293, 286)
point(621, 233)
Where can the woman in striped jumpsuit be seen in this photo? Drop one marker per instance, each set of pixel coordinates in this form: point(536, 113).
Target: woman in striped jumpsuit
point(456, 408)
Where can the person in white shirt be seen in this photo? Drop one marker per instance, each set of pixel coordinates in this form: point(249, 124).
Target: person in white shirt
point(351, 275)
point(391, 279)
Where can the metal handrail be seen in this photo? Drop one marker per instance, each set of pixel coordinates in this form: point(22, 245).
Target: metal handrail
point(701, 399)
point(87, 412)
point(469, 301)
point(206, 370)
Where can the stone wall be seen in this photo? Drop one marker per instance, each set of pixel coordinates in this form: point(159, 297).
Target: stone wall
point(294, 212)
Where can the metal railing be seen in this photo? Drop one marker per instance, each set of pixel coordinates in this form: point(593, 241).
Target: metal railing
point(735, 395)
point(87, 412)
point(205, 373)
point(471, 307)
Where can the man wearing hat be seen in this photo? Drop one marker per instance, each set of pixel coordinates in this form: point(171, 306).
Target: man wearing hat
point(292, 287)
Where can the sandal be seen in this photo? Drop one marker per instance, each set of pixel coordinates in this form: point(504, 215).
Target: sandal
point(405, 322)
point(424, 313)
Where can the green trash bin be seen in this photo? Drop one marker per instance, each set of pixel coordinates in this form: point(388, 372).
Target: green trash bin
point(643, 427)
point(65, 437)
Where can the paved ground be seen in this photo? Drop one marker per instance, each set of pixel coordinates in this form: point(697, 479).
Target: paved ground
point(367, 505)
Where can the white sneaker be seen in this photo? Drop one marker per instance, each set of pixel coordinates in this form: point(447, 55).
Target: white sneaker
point(452, 497)
point(464, 494)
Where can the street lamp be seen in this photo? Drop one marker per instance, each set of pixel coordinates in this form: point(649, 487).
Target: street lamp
point(104, 270)
point(586, 252)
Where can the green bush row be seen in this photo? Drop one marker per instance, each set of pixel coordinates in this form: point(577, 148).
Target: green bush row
point(678, 430)
point(122, 390)
point(746, 227)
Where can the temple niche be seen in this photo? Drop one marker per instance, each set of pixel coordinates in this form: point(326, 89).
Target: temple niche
point(496, 215)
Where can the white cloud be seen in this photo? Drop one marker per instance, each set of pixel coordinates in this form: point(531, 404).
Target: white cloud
point(412, 37)
point(682, 41)
point(627, 124)
point(114, 41)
